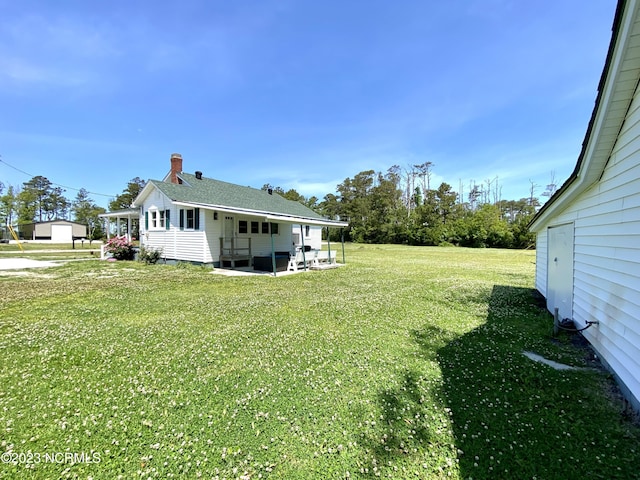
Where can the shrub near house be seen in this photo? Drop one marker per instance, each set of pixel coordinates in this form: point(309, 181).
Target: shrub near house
point(120, 248)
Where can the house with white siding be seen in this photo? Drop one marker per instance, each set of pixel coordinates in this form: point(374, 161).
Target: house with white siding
point(192, 218)
point(588, 233)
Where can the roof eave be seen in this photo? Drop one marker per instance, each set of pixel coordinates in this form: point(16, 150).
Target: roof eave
point(595, 154)
point(281, 217)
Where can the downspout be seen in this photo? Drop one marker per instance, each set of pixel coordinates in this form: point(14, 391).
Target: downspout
point(304, 255)
point(273, 252)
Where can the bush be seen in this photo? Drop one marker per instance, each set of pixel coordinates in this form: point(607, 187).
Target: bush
point(120, 248)
point(149, 256)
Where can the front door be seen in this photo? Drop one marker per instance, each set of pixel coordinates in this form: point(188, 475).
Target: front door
point(229, 233)
point(560, 270)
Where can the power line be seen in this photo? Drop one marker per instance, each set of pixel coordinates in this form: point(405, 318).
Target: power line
point(54, 183)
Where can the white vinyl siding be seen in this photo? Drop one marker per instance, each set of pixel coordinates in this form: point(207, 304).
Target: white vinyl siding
point(261, 242)
point(183, 245)
point(607, 256)
point(212, 232)
point(312, 236)
point(541, 262)
point(190, 245)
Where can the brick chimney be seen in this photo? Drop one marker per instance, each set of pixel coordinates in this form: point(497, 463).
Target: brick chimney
point(176, 167)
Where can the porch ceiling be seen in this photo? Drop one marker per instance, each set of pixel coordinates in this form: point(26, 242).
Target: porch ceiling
point(128, 213)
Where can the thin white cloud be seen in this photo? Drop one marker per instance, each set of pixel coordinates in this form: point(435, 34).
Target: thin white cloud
point(61, 141)
point(21, 71)
point(52, 51)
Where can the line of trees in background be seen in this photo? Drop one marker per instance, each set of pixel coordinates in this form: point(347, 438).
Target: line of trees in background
point(39, 200)
point(399, 206)
point(402, 207)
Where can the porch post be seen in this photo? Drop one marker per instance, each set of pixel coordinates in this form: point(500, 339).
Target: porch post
point(304, 255)
point(329, 243)
point(118, 230)
point(344, 262)
point(273, 252)
point(129, 227)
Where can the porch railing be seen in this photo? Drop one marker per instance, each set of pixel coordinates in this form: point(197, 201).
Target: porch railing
point(235, 248)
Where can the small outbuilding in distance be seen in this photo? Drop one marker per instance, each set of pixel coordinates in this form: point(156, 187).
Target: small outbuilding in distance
point(56, 231)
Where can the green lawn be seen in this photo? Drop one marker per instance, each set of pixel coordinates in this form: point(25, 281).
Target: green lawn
point(406, 363)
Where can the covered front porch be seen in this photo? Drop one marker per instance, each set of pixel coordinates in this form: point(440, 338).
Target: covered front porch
point(121, 222)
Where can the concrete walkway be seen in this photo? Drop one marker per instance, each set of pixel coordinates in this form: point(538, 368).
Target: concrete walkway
point(27, 252)
point(558, 366)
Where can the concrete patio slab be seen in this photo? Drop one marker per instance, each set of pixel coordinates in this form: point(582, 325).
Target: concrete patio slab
point(22, 263)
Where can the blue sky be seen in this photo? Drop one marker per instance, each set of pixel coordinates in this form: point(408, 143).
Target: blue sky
point(299, 94)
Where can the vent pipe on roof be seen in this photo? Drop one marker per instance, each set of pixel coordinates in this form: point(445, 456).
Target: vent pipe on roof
point(199, 175)
point(270, 191)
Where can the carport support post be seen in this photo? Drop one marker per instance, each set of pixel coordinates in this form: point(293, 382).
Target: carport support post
point(304, 255)
point(273, 252)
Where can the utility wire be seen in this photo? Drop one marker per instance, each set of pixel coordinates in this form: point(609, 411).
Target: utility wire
point(56, 184)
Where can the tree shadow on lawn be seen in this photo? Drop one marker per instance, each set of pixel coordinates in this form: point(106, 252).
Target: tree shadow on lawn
point(509, 417)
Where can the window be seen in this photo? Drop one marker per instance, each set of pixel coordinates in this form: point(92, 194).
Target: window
point(265, 228)
point(157, 219)
point(242, 226)
point(307, 228)
point(190, 219)
point(255, 227)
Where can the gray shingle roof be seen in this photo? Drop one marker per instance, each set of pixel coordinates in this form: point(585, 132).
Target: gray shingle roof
point(207, 191)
